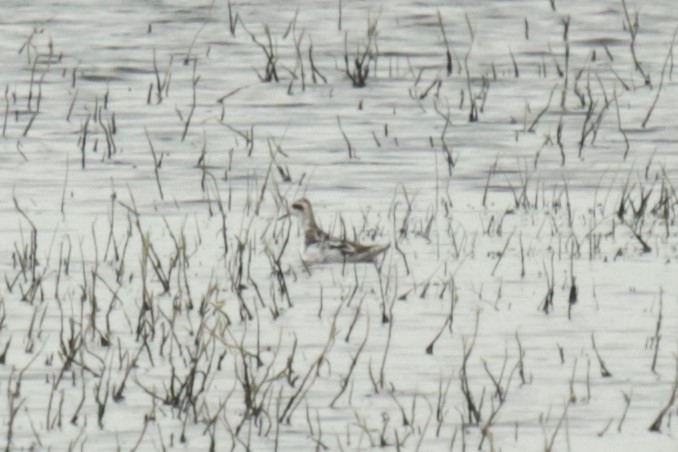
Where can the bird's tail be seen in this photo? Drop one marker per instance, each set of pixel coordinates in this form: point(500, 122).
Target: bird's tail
point(379, 249)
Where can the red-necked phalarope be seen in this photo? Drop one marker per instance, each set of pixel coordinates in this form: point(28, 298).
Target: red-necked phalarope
point(319, 248)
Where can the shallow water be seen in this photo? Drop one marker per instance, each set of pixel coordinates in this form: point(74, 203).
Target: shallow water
point(541, 220)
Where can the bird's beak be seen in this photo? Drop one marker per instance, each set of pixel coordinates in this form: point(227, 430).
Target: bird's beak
point(285, 215)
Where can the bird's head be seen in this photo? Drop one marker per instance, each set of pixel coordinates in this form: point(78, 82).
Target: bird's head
point(301, 208)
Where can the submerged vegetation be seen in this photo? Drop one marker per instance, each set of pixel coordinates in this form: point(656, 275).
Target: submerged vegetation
point(520, 162)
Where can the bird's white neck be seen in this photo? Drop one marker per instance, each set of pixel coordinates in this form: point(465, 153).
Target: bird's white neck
point(307, 222)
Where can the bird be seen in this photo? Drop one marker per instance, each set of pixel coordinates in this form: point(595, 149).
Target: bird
point(319, 247)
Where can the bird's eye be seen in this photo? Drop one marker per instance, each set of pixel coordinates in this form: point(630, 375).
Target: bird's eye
point(297, 207)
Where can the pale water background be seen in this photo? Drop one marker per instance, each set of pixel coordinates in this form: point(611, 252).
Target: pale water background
point(96, 61)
